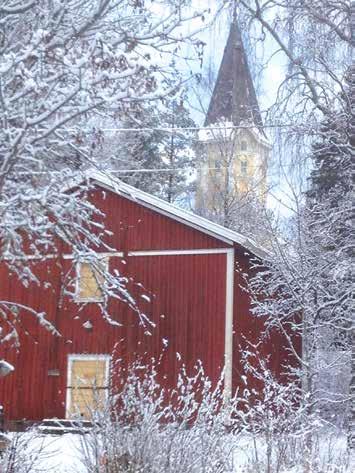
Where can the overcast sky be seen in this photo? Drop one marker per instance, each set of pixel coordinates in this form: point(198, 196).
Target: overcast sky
point(266, 79)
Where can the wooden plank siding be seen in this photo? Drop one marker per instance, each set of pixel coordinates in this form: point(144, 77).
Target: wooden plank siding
point(178, 286)
point(187, 306)
point(249, 329)
point(186, 303)
point(137, 228)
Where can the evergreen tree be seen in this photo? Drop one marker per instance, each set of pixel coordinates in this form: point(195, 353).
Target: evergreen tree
point(150, 155)
point(333, 152)
point(331, 188)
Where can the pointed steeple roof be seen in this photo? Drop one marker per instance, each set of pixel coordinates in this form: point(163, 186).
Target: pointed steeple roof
point(234, 97)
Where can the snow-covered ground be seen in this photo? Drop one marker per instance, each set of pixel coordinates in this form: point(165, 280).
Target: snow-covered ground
point(47, 453)
point(62, 454)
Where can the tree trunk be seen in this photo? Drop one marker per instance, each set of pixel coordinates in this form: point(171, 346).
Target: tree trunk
point(351, 79)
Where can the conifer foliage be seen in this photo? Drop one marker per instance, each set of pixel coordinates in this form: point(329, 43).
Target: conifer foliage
point(159, 158)
point(333, 152)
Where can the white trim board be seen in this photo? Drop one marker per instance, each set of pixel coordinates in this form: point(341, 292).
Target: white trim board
point(228, 338)
point(94, 254)
point(212, 251)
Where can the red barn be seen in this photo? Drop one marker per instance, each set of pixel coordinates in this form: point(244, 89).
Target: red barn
point(186, 272)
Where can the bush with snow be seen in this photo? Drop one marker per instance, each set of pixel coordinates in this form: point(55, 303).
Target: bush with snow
point(193, 428)
point(147, 429)
point(27, 452)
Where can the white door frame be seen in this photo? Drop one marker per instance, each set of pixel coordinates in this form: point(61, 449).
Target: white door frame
point(88, 357)
point(228, 337)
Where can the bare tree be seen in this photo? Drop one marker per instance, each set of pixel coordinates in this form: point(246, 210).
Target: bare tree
point(231, 189)
point(305, 295)
point(302, 31)
point(63, 63)
point(315, 40)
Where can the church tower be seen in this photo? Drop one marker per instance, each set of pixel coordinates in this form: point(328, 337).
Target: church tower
point(233, 147)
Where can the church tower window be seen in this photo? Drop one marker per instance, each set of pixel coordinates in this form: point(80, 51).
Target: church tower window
point(244, 168)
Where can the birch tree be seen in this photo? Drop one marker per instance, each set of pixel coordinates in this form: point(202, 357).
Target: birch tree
point(306, 295)
point(314, 39)
point(314, 115)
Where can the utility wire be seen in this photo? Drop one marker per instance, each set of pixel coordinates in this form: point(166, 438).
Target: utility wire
point(196, 128)
point(168, 170)
point(219, 168)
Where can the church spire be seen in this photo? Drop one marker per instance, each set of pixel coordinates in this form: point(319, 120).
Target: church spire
point(234, 97)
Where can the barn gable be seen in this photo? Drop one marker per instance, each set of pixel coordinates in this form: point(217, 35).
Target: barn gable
point(137, 227)
point(187, 267)
point(148, 201)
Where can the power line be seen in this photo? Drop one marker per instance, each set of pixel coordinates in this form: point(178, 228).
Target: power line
point(163, 170)
point(196, 128)
point(186, 169)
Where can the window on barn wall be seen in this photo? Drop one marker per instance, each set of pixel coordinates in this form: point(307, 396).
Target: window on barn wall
point(88, 384)
point(90, 279)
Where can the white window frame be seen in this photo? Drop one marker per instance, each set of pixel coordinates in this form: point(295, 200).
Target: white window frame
point(99, 256)
point(88, 357)
point(104, 259)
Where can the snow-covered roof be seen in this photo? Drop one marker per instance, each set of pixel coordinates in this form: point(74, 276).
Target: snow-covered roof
point(113, 184)
point(225, 131)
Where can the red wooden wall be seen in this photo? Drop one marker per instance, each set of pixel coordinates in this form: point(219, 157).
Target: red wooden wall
point(248, 330)
point(135, 227)
point(187, 305)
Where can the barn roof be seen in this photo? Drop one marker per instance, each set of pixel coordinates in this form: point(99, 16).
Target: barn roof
point(113, 184)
